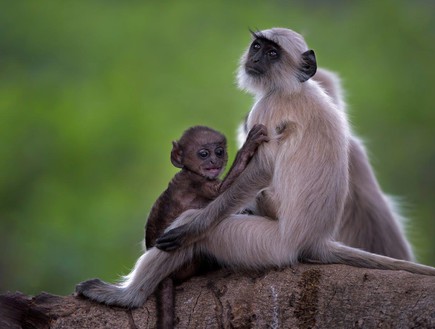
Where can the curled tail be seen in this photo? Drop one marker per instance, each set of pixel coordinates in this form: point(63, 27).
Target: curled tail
point(341, 254)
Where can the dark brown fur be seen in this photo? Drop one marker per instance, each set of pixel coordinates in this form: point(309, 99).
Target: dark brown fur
point(192, 188)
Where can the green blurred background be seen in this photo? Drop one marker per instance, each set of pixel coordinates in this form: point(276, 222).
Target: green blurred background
point(93, 92)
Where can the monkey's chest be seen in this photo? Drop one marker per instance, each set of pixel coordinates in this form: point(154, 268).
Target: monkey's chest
point(279, 122)
point(192, 200)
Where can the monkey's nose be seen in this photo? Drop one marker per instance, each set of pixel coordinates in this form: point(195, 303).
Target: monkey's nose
point(256, 58)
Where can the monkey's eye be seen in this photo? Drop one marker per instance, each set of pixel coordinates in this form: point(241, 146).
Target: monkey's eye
point(219, 152)
point(203, 154)
point(273, 54)
point(256, 45)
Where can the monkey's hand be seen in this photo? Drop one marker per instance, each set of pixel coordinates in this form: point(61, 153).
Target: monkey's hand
point(173, 239)
point(183, 232)
point(256, 136)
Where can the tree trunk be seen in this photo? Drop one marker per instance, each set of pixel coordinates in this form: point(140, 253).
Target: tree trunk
point(305, 296)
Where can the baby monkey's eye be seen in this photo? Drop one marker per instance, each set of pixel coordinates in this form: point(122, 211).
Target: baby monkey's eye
point(220, 152)
point(203, 154)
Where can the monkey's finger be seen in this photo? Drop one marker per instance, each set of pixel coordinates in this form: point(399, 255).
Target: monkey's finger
point(262, 127)
point(255, 130)
point(167, 238)
point(169, 241)
point(260, 131)
point(168, 246)
point(173, 238)
point(263, 138)
point(259, 127)
point(257, 138)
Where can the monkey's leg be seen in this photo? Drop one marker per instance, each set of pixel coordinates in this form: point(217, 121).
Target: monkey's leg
point(150, 269)
point(239, 240)
point(255, 242)
point(165, 296)
point(250, 242)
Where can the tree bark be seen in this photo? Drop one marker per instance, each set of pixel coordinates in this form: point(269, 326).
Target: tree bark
point(305, 296)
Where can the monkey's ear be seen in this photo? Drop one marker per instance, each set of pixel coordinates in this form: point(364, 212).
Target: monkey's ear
point(177, 155)
point(308, 66)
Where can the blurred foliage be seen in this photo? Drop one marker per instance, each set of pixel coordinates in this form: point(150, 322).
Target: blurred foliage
point(93, 92)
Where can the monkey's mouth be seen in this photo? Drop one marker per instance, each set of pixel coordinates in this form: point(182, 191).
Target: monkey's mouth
point(213, 172)
point(251, 70)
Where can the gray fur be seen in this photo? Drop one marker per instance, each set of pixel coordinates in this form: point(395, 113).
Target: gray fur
point(370, 220)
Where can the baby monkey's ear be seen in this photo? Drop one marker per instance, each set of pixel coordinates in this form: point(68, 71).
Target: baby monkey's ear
point(177, 155)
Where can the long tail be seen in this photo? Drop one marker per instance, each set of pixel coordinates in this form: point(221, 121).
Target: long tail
point(341, 254)
point(150, 269)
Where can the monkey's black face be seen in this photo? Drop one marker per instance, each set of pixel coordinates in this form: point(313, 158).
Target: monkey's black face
point(263, 53)
point(208, 160)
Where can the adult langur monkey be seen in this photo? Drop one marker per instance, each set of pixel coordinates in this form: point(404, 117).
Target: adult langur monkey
point(370, 220)
point(302, 173)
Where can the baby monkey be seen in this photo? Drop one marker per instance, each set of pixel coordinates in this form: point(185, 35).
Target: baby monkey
point(201, 153)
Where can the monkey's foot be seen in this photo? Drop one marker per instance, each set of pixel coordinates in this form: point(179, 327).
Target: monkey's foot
point(105, 293)
point(83, 288)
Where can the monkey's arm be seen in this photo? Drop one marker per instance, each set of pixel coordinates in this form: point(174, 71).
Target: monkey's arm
point(193, 224)
point(166, 208)
point(257, 135)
